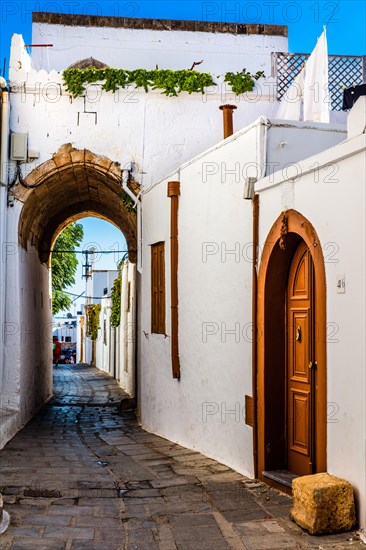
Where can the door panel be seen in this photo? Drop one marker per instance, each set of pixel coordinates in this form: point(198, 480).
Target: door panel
point(299, 436)
point(300, 349)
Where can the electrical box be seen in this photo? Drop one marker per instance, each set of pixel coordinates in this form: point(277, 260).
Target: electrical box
point(33, 154)
point(19, 147)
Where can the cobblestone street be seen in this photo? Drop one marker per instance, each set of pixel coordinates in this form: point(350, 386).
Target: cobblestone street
point(83, 475)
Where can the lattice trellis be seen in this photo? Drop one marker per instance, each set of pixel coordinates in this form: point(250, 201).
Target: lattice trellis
point(344, 71)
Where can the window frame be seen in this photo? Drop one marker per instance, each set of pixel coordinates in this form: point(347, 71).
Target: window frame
point(158, 288)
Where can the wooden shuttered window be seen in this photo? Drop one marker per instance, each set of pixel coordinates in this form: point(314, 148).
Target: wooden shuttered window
point(158, 288)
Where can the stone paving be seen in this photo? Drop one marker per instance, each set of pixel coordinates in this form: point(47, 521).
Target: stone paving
point(83, 475)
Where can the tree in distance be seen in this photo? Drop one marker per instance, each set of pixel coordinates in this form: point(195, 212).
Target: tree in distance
point(64, 265)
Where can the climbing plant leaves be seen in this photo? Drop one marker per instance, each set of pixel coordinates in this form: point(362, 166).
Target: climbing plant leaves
point(93, 319)
point(171, 83)
point(242, 81)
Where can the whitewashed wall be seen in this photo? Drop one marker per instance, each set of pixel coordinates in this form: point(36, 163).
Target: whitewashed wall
point(127, 331)
point(80, 339)
point(144, 49)
point(103, 342)
point(123, 126)
point(64, 331)
point(332, 198)
point(27, 340)
point(115, 348)
point(204, 410)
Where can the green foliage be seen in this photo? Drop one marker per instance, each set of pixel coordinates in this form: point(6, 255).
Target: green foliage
point(64, 265)
point(127, 201)
point(242, 82)
point(171, 83)
point(93, 317)
point(116, 298)
point(116, 302)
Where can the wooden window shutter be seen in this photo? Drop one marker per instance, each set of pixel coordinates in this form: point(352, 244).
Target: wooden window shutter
point(158, 288)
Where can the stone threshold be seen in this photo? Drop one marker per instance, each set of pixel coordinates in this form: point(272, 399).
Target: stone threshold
point(284, 477)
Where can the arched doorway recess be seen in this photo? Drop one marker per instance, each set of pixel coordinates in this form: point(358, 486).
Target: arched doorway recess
point(291, 370)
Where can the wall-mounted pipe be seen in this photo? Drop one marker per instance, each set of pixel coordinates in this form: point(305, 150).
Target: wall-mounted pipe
point(173, 194)
point(255, 203)
point(137, 203)
point(227, 111)
point(4, 154)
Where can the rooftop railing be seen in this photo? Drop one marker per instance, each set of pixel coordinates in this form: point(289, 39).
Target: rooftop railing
point(344, 71)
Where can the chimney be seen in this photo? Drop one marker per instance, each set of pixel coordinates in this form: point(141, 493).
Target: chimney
point(228, 119)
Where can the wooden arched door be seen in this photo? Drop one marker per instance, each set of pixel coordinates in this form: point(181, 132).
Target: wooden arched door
point(301, 364)
point(290, 372)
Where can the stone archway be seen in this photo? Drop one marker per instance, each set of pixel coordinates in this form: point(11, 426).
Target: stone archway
point(73, 184)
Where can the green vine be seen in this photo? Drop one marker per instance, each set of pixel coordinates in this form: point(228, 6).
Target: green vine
point(116, 298)
point(127, 201)
point(171, 83)
point(93, 316)
point(242, 82)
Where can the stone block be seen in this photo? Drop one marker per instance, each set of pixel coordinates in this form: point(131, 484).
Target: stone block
point(323, 504)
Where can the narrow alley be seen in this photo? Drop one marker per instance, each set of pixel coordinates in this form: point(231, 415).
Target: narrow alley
point(83, 475)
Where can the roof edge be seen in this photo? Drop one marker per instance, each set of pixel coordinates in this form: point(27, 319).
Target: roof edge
point(75, 20)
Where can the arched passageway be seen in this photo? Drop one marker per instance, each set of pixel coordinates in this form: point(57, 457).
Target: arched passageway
point(69, 186)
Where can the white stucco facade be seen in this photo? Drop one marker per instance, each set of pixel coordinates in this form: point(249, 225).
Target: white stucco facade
point(330, 193)
point(115, 347)
point(126, 333)
point(123, 125)
point(205, 409)
point(27, 333)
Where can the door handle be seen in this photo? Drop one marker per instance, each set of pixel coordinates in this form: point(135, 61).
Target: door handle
point(313, 365)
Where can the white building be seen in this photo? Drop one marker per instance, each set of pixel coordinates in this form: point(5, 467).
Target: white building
point(114, 350)
point(115, 347)
point(250, 334)
point(98, 289)
point(65, 328)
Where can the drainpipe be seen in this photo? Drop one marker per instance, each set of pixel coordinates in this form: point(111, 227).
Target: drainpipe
point(255, 202)
point(4, 154)
point(4, 162)
point(249, 193)
point(137, 204)
point(227, 111)
point(173, 194)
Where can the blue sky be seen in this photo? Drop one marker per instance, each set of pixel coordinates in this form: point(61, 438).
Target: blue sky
point(102, 236)
point(346, 32)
